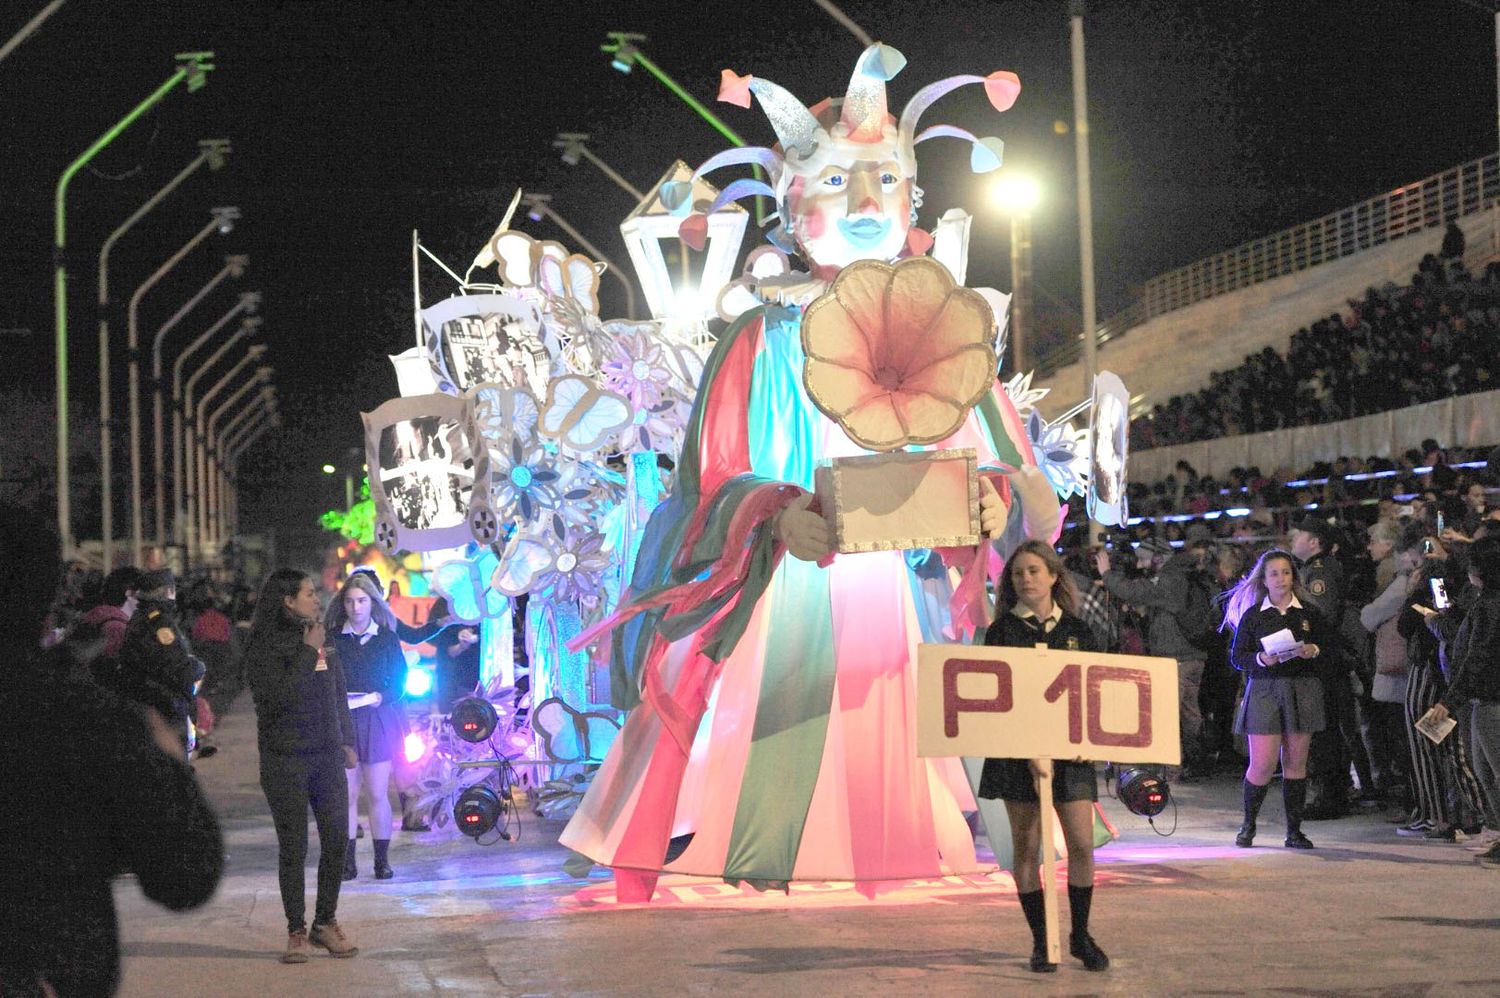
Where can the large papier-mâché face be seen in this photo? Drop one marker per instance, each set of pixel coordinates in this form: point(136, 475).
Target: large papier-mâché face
point(857, 207)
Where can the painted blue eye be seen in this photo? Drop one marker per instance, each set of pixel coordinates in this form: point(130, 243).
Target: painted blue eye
point(837, 180)
point(887, 179)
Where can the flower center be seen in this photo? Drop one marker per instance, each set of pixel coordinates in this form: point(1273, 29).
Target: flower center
point(520, 476)
point(889, 378)
point(641, 370)
point(566, 561)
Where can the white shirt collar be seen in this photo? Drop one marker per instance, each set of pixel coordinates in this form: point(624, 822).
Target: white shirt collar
point(1266, 603)
point(1026, 613)
point(368, 632)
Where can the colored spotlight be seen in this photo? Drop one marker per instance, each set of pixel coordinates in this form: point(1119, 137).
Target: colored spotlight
point(418, 682)
point(473, 719)
point(477, 810)
point(414, 747)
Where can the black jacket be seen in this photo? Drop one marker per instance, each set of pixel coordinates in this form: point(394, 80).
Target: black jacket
point(157, 666)
point(1475, 654)
point(301, 705)
point(89, 795)
point(377, 666)
point(1010, 631)
point(1305, 623)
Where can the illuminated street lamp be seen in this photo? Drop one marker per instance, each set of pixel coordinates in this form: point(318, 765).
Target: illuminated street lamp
point(1017, 195)
point(212, 153)
point(574, 146)
point(221, 221)
point(214, 492)
point(182, 425)
point(192, 69)
point(234, 266)
point(201, 435)
point(539, 206)
point(625, 54)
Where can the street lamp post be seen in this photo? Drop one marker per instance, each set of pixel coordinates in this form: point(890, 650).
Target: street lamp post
point(234, 266)
point(200, 434)
point(574, 146)
point(1085, 211)
point(240, 427)
point(215, 492)
point(247, 440)
point(30, 26)
point(624, 51)
point(221, 221)
point(192, 68)
point(1017, 196)
point(212, 154)
point(539, 206)
point(182, 405)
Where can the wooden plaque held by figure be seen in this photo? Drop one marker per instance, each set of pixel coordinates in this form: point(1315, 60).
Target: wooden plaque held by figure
point(901, 500)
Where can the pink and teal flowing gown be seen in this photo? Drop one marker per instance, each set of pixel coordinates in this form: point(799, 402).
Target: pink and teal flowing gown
point(774, 718)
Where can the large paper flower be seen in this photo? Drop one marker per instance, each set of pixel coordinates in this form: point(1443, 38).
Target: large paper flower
point(577, 568)
point(523, 480)
point(637, 369)
point(899, 354)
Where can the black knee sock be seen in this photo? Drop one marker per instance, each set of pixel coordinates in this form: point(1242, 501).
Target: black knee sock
point(1036, 916)
point(1294, 797)
point(349, 856)
point(1080, 900)
point(1255, 796)
point(382, 850)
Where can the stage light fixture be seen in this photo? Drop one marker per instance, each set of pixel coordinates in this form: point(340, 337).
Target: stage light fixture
point(418, 682)
point(473, 719)
point(1143, 793)
point(414, 747)
point(477, 810)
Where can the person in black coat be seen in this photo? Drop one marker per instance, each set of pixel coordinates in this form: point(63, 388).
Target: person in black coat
point(363, 631)
point(1037, 607)
point(157, 666)
point(94, 790)
point(306, 740)
point(1283, 702)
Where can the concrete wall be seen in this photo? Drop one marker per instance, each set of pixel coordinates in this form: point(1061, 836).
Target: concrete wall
point(1174, 353)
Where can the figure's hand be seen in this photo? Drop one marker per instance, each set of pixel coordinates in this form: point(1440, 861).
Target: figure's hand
point(467, 636)
point(1040, 512)
point(1039, 767)
point(1101, 561)
point(162, 734)
point(314, 635)
point(993, 510)
point(1454, 537)
point(351, 760)
point(1309, 651)
point(804, 532)
point(1439, 712)
point(378, 699)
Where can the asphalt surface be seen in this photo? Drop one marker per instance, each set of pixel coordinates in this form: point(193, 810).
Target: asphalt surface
point(1365, 913)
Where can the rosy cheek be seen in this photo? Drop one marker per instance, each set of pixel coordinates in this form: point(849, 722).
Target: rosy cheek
point(814, 224)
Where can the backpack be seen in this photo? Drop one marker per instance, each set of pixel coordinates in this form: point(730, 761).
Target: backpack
point(1196, 619)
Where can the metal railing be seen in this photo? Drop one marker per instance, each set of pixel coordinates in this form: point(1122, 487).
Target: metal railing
point(1416, 207)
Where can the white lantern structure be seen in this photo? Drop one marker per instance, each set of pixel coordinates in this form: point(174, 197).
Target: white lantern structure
point(682, 283)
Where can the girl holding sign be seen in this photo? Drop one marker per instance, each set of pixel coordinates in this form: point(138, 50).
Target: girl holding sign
point(1277, 634)
point(1038, 607)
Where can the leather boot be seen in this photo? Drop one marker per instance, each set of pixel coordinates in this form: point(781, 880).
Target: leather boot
point(1254, 797)
point(1294, 797)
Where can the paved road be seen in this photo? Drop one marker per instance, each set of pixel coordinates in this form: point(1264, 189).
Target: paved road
point(1366, 913)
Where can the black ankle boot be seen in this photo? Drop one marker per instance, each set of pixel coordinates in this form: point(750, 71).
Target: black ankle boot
point(383, 869)
point(1254, 797)
point(1085, 949)
point(1034, 907)
point(1294, 797)
point(350, 870)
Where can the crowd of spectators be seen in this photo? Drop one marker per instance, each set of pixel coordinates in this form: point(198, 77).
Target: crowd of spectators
point(1397, 346)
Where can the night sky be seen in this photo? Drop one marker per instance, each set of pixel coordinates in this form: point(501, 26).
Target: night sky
point(354, 122)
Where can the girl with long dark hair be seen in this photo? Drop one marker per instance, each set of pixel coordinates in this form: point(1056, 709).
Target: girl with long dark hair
point(363, 632)
point(1038, 606)
point(306, 740)
point(1283, 702)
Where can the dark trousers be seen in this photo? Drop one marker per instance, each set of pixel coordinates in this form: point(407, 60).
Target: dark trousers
point(1338, 743)
point(62, 933)
point(292, 783)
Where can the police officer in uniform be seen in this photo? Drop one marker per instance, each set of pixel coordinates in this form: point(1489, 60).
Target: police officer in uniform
point(1313, 543)
point(157, 666)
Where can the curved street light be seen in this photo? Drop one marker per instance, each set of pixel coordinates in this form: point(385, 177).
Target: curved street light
point(234, 266)
point(248, 303)
point(539, 206)
point(200, 432)
point(214, 493)
point(192, 69)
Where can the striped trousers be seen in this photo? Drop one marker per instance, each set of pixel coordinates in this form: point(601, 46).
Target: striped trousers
point(1444, 785)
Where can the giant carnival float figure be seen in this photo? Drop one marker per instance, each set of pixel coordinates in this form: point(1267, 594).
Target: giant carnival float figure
point(772, 733)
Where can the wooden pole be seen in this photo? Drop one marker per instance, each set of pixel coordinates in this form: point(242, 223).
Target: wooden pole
point(1049, 859)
